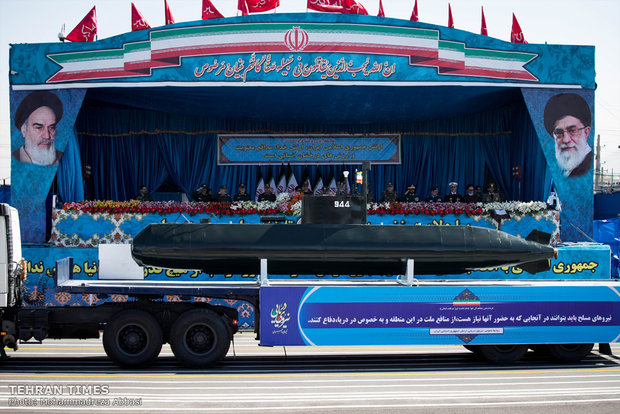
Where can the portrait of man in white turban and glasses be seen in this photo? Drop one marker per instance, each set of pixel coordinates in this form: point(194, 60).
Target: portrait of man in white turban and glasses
point(37, 118)
point(567, 119)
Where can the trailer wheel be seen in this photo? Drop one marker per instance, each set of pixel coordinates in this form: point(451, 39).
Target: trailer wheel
point(199, 338)
point(569, 352)
point(133, 338)
point(502, 354)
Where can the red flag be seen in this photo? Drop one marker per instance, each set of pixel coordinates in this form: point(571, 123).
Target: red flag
point(209, 11)
point(169, 18)
point(353, 7)
point(483, 24)
point(138, 22)
point(414, 14)
point(86, 30)
point(330, 6)
point(450, 21)
point(516, 36)
point(256, 6)
point(381, 12)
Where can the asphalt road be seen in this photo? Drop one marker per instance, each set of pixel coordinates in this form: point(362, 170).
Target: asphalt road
point(76, 376)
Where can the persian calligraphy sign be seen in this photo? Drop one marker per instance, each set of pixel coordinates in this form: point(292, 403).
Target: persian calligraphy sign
point(249, 149)
point(476, 315)
point(287, 51)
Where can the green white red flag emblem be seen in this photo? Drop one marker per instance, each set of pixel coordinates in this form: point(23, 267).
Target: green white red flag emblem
point(167, 47)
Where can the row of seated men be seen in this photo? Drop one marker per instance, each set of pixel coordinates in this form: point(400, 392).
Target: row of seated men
point(472, 195)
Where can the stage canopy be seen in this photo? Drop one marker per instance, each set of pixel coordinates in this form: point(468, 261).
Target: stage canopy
point(148, 107)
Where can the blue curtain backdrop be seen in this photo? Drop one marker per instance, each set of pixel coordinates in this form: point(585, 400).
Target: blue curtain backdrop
point(127, 147)
point(69, 175)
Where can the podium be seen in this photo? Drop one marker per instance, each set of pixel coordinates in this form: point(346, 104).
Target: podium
point(333, 210)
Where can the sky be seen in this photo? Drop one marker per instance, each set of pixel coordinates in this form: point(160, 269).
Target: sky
point(568, 22)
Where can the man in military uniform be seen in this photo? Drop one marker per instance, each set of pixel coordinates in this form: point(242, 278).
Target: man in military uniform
point(241, 194)
point(410, 195)
point(222, 196)
point(491, 196)
point(143, 195)
point(203, 194)
point(267, 194)
point(389, 195)
point(453, 196)
point(434, 197)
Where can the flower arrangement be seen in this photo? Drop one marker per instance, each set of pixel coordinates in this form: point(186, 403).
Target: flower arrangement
point(516, 208)
point(290, 204)
point(429, 209)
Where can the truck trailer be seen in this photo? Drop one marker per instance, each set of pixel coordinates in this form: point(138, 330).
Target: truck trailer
point(497, 319)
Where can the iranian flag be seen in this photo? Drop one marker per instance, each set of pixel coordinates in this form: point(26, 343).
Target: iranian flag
point(271, 181)
point(305, 178)
point(86, 30)
point(331, 181)
point(281, 187)
point(260, 185)
point(291, 181)
point(318, 183)
point(138, 22)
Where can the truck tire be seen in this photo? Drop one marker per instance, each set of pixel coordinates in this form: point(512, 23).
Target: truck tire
point(133, 338)
point(569, 352)
point(502, 354)
point(199, 338)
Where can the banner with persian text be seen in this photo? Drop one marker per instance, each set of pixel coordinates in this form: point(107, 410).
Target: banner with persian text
point(248, 149)
point(308, 48)
point(458, 315)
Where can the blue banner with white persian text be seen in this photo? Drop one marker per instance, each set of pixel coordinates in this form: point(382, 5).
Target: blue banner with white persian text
point(475, 315)
point(308, 149)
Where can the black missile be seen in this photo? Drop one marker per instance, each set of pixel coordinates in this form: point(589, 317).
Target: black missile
point(334, 248)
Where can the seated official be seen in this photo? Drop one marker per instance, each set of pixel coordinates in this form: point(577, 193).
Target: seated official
point(410, 195)
point(241, 194)
point(305, 188)
point(326, 191)
point(434, 196)
point(222, 196)
point(389, 195)
point(203, 194)
point(491, 196)
point(471, 196)
point(453, 196)
point(267, 195)
point(143, 195)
